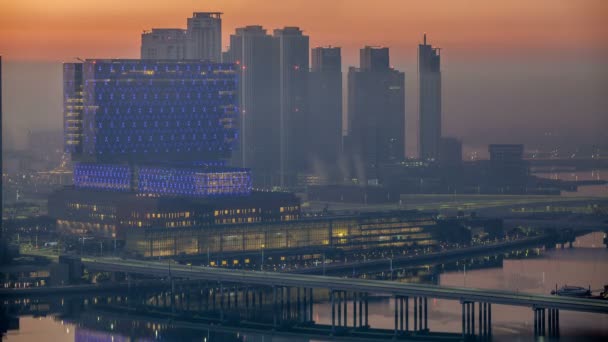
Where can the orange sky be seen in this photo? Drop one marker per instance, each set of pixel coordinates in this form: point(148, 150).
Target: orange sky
point(62, 29)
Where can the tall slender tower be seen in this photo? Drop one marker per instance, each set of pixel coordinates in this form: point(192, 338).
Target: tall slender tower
point(429, 75)
point(324, 120)
point(205, 34)
point(292, 46)
point(251, 50)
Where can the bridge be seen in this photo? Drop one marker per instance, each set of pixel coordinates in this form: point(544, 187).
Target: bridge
point(226, 281)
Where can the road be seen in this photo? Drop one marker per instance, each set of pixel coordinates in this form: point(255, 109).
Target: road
point(347, 284)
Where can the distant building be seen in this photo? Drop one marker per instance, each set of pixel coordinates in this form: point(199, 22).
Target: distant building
point(202, 40)
point(508, 171)
point(205, 33)
point(253, 52)
point(450, 151)
point(324, 120)
point(170, 43)
point(293, 62)
point(429, 73)
point(376, 114)
point(506, 152)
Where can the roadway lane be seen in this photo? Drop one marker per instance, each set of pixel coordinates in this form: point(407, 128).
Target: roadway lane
point(348, 284)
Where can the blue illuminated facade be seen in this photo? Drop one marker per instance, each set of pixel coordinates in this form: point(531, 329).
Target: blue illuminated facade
point(193, 182)
point(148, 110)
point(155, 127)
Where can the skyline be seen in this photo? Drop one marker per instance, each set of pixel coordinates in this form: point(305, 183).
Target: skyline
point(467, 29)
point(551, 64)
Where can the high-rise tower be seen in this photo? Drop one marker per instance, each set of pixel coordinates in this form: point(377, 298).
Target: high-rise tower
point(201, 40)
point(429, 73)
point(293, 63)
point(376, 113)
point(253, 53)
point(205, 34)
point(324, 120)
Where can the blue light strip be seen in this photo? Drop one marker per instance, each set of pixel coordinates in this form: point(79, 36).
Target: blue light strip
point(193, 182)
point(102, 176)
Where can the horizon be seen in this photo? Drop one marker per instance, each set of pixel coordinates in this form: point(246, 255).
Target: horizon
point(528, 63)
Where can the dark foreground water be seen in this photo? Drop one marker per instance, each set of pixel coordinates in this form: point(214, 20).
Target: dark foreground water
point(535, 270)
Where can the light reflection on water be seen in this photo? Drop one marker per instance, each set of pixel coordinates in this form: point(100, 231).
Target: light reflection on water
point(584, 265)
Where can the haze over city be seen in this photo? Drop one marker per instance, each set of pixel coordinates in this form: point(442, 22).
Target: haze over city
point(537, 68)
point(322, 170)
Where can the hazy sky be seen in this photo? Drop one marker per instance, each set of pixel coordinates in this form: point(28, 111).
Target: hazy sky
point(512, 69)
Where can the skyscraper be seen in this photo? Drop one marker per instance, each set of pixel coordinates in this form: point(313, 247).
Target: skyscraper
point(429, 73)
point(293, 63)
point(205, 34)
point(324, 120)
point(252, 51)
point(376, 113)
point(201, 40)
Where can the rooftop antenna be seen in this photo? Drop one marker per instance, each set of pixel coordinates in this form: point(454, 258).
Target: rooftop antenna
point(424, 38)
point(79, 59)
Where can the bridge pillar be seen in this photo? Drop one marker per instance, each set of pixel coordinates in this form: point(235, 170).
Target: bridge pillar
point(333, 311)
point(490, 320)
point(396, 298)
point(407, 314)
point(556, 323)
point(311, 302)
point(415, 313)
point(360, 309)
point(221, 302)
point(480, 317)
point(339, 294)
point(426, 314)
point(274, 306)
point(354, 309)
point(345, 295)
point(401, 329)
point(472, 318)
point(298, 306)
point(366, 310)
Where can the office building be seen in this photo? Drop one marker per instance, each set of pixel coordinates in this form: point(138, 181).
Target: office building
point(324, 120)
point(201, 40)
point(169, 43)
point(508, 171)
point(153, 129)
point(376, 114)
point(293, 63)
point(429, 74)
point(307, 236)
point(205, 35)
point(253, 52)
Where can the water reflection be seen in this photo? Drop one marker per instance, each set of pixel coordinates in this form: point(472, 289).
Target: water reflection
point(532, 270)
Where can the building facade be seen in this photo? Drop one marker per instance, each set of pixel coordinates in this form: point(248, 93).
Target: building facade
point(205, 36)
point(376, 114)
point(201, 40)
point(324, 120)
point(429, 75)
point(169, 43)
point(363, 232)
point(293, 62)
point(253, 52)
